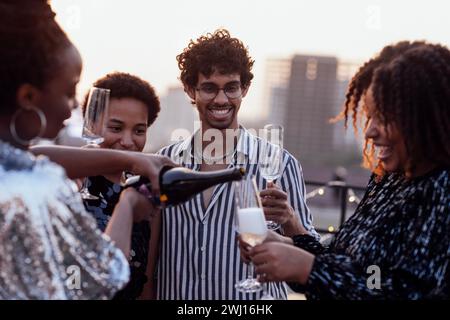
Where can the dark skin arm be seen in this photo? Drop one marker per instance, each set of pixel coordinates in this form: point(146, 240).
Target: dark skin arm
point(281, 262)
point(272, 236)
point(149, 291)
point(84, 162)
point(132, 207)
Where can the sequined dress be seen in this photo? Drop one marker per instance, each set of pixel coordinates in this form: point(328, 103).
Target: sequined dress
point(395, 246)
point(50, 247)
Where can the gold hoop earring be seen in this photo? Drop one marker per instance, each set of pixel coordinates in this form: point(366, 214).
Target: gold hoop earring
point(12, 125)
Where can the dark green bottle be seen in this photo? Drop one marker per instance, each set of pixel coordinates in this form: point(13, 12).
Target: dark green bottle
point(179, 184)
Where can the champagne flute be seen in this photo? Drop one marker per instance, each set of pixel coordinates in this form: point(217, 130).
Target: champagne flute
point(271, 159)
point(251, 225)
point(93, 126)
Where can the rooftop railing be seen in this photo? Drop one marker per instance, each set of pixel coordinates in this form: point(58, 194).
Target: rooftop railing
point(345, 194)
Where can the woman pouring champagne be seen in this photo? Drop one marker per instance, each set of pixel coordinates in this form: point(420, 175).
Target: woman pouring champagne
point(45, 234)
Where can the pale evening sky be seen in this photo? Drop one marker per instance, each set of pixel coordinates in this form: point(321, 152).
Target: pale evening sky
point(143, 37)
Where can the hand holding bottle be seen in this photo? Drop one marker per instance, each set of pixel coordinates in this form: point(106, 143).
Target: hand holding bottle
point(85, 162)
point(178, 185)
point(150, 166)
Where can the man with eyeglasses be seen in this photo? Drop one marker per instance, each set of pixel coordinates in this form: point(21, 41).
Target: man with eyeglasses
point(200, 257)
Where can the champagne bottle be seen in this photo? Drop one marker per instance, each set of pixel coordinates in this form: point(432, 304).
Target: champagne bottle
point(179, 184)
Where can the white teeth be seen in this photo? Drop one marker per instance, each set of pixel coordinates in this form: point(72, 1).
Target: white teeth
point(220, 111)
point(383, 151)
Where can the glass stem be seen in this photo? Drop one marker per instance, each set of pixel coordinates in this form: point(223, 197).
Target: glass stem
point(84, 186)
point(251, 271)
point(266, 288)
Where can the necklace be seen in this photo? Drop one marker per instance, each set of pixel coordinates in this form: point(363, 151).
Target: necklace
point(200, 155)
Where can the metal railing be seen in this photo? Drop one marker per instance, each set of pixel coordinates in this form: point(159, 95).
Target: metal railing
point(346, 194)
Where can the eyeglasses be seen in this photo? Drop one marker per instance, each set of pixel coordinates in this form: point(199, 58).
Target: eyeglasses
point(210, 91)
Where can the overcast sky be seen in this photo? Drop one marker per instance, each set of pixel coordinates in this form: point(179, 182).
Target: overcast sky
point(144, 36)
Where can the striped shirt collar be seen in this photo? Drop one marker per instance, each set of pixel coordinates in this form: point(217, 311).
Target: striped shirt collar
point(200, 257)
point(244, 149)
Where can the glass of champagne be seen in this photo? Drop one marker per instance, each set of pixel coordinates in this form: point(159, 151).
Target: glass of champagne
point(95, 115)
point(271, 159)
point(251, 225)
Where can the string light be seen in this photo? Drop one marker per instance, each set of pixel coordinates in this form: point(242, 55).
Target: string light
point(352, 197)
point(319, 191)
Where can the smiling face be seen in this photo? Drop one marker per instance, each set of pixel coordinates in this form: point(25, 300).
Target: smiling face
point(387, 139)
point(221, 111)
point(126, 126)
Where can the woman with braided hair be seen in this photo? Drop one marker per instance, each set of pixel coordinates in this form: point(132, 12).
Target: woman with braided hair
point(50, 247)
point(397, 243)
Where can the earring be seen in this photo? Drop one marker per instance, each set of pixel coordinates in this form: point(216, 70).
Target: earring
point(12, 125)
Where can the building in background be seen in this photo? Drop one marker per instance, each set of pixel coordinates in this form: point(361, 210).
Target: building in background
point(303, 92)
point(175, 121)
point(309, 106)
point(276, 85)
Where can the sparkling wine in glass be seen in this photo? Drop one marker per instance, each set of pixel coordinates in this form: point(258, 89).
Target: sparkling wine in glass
point(251, 225)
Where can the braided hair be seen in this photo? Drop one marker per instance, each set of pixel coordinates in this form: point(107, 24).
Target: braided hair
point(31, 41)
point(411, 89)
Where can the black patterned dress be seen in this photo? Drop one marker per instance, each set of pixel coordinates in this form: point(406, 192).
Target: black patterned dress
point(402, 229)
point(102, 209)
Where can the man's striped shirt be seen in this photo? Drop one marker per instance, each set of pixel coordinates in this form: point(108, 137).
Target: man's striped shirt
point(200, 256)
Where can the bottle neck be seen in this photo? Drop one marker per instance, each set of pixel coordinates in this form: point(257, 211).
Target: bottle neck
point(181, 178)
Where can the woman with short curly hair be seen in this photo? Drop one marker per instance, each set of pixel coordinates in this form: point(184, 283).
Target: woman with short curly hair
point(133, 107)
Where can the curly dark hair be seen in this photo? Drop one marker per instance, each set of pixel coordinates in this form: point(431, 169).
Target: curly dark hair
point(411, 89)
point(125, 85)
point(215, 51)
point(31, 42)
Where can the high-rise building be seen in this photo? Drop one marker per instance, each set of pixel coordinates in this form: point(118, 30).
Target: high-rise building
point(303, 93)
point(309, 106)
point(278, 72)
point(175, 120)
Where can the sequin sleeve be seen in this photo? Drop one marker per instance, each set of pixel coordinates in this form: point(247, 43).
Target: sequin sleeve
point(50, 247)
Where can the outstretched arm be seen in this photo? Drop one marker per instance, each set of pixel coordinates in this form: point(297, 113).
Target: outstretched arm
point(82, 162)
